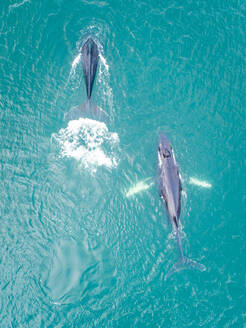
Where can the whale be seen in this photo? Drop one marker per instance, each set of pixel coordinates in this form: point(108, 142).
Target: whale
point(170, 189)
point(90, 55)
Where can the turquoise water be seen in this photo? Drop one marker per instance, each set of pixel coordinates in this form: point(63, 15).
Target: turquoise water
point(85, 240)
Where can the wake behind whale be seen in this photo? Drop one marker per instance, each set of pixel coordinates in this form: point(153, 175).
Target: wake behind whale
point(89, 142)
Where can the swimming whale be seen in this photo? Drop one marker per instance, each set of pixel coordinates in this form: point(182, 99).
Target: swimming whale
point(170, 191)
point(90, 56)
point(89, 59)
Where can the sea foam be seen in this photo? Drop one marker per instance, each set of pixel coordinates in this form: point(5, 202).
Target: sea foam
point(89, 142)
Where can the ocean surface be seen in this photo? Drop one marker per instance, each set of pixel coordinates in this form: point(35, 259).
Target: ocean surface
point(84, 236)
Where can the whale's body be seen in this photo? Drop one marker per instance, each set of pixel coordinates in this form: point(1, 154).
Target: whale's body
point(90, 56)
point(89, 59)
point(169, 180)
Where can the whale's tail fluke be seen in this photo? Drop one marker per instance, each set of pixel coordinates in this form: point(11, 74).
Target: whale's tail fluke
point(87, 110)
point(185, 263)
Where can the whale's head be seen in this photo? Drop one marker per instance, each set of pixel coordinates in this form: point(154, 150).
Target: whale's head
point(164, 148)
point(89, 48)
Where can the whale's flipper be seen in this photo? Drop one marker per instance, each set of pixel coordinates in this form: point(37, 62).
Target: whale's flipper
point(87, 110)
point(185, 263)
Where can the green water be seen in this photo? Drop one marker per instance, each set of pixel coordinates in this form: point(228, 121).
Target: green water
point(79, 246)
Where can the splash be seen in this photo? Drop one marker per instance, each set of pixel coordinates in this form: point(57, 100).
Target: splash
point(200, 183)
point(89, 142)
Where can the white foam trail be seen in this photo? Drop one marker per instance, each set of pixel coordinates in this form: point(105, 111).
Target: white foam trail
point(89, 142)
point(76, 61)
point(200, 183)
point(72, 73)
point(16, 5)
point(106, 93)
point(138, 187)
point(104, 62)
